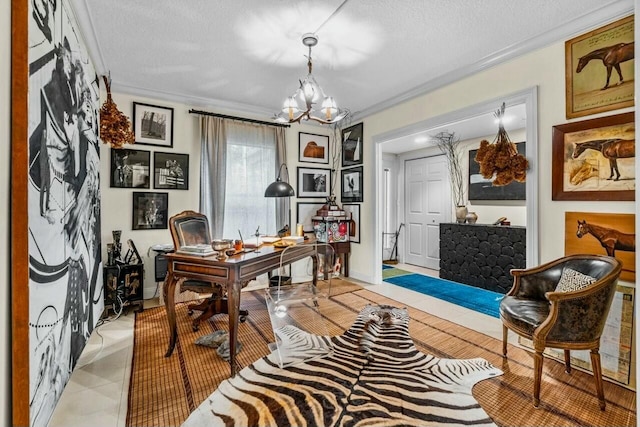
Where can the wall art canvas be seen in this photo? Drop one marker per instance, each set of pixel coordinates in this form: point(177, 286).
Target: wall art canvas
point(65, 267)
point(304, 212)
point(313, 148)
point(150, 211)
point(171, 171)
point(481, 188)
point(603, 234)
point(599, 69)
point(130, 168)
point(352, 182)
point(352, 138)
point(153, 125)
point(594, 159)
point(313, 182)
point(353, 211)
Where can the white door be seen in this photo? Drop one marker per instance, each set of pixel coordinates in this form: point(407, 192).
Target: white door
point(427, 204)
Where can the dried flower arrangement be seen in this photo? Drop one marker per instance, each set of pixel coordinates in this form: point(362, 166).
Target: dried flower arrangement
point(448, 143)
point(115, 127)
point(500, 161)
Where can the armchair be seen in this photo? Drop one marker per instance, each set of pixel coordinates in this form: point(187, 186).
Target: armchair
point(562, 304)
point(192, 228)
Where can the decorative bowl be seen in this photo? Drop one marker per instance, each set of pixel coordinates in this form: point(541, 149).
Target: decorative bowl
point(221, 246)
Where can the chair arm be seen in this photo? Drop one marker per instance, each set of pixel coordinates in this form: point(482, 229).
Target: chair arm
point(534, 283)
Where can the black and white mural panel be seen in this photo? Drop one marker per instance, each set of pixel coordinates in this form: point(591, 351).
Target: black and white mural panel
point(65, 269)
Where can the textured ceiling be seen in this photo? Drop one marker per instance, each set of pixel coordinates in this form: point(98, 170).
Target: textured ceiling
point(247, 55)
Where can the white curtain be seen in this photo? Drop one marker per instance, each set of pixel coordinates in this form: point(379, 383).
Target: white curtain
point(239, 160)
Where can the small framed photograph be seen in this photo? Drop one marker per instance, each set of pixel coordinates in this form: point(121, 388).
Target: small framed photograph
point(313, 182)
point(304, 212)
point(129, 168)
point(351, 190)
point(354, 225)
point(170, 171)
point(313, 148)
point(599, 69)
point(153, 125)
point(594, 160)
point(352, 145)
point(150, 211)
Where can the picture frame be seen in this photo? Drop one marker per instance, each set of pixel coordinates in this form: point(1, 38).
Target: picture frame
point(150, 211)
point(170, 171)
point(130, 168)
point(581, 172)
point(352, 138)
point(481, 188)
point(351, 185)
point(599, 69)
point(313, 148)
point(354, 225)
point(586, 239)
point(153, 124)
point(313, 182)
point(304, 212)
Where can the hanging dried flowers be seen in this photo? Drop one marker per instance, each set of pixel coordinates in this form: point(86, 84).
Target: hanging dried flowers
point(500, 161)
point(115, 127)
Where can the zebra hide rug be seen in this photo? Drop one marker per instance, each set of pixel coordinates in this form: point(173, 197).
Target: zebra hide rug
point(374, 376)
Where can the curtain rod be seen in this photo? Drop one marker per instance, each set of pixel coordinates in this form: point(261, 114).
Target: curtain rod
point(242, 119)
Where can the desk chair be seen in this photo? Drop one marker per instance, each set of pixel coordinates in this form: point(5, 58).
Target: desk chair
point(192, 228)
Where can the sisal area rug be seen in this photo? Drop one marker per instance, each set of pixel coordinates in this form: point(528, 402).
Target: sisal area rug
point(164, 391)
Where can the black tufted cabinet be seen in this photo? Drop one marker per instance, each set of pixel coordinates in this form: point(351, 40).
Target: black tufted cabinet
point(482, 255)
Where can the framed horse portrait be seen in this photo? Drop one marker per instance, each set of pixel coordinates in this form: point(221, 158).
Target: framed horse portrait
point(599, 69)
point(594, 159)
point(313, 182)
point(610, 234)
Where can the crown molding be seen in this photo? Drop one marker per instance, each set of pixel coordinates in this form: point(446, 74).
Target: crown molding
point(579, 25)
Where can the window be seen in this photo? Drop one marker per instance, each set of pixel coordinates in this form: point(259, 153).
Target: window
point(251, 160)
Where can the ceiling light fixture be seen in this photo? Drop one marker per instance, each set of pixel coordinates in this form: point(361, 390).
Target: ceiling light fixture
point(303, 104)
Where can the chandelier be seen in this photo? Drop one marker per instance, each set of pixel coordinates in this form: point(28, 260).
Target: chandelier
point(303, 104)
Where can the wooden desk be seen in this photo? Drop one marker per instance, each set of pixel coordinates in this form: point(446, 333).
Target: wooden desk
point(233, 272)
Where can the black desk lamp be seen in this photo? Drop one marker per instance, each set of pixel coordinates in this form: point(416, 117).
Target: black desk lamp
point(280, 188)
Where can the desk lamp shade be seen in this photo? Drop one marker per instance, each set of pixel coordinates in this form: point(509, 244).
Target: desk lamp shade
point(279, 188)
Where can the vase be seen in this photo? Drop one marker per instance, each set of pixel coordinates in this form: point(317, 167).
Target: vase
point(461, 214)
point(472, 217)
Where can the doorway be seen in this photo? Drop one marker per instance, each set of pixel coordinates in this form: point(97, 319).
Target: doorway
point(527, 97)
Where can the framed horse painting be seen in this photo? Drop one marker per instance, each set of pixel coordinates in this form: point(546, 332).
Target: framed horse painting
point(599, 69)
point(612, 234)
point(594, 159)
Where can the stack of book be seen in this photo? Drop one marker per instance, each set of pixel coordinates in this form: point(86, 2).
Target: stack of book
point(201, 249)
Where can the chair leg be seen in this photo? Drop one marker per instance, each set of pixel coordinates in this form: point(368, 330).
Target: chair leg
point(597, 375)
point(567, 361)
point(505, 336)
point(538, 359)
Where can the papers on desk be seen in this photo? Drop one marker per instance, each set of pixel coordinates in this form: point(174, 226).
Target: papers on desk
point(270, 239)
point(201, 249)
point(254, 242)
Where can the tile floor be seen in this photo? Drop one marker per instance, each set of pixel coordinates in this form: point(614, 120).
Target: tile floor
point(97, 391)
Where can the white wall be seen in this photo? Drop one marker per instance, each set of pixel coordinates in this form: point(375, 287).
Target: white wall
point(543, 68)
point(5, 230)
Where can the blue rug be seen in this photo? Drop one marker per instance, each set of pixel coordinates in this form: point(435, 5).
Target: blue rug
point(480, 300)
